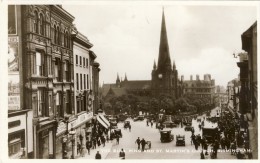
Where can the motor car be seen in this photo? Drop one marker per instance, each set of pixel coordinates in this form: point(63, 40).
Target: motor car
point(169, 124)
point(118, 132)
point(139, 118)
point(180, 140)
point(198, 119)
point(166, 136)
point(188, 128)
point(209, 133)
point(126, 124)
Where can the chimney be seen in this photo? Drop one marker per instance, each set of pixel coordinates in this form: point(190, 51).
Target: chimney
point(197, 77)
point(191, 78)
point(182, 78)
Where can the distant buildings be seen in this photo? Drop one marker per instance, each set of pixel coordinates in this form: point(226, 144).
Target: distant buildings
point(200, 88)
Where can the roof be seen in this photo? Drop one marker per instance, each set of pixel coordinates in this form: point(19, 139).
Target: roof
point(126, 85)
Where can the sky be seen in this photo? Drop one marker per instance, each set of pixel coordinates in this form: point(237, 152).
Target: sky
point(202, 39)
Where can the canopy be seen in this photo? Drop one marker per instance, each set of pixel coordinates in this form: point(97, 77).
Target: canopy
point(102, 122)
point(104, 119)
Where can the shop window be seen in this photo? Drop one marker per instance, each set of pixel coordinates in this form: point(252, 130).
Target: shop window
point(15, 142)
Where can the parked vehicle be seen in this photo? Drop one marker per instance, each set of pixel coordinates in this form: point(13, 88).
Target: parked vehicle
point(188, 127)
point(126, 124)
point(139, 118)
point(169, 124)
point(180, 140)
point(166, 136)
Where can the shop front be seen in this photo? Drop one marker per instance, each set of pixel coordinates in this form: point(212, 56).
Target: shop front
point(45, 138)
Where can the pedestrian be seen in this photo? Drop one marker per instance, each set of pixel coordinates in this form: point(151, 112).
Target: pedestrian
point(122, 154)
point(98, 155)
point(196, 144)
point(147, 122)
point(82, 154)
point(138, 141)
point(129, 127)
point(103, 140)
point(193, 139)
point(78, 148)
point(143, 142)
point(117, 139)
point(151, 124)
point(98, 141)
point(202, 155)
point(88, 146)
point(94, 143)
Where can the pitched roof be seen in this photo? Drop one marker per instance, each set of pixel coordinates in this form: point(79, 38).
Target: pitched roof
point(137, 84)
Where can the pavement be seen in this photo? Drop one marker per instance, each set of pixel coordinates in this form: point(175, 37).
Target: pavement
point(102, 150)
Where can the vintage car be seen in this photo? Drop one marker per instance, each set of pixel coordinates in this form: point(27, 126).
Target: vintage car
point(166, 136)
point(180, 140)
point(139, 118)
point(169, 124)
point(126, 124)
point(188, 128)
point(113, 121)
point(198, 119)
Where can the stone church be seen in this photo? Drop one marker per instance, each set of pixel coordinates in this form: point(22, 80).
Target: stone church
point(164, 76)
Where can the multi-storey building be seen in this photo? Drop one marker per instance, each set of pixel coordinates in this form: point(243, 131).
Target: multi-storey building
point(200, 88)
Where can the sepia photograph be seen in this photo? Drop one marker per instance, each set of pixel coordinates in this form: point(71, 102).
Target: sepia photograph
point(151, 80)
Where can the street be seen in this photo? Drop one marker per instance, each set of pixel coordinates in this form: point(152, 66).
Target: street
point(158, 150)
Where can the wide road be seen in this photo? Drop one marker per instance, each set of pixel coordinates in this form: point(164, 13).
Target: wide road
point(158, 150)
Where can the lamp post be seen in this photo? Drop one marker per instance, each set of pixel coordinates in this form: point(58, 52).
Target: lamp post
point(72, 133)
point(65, 138)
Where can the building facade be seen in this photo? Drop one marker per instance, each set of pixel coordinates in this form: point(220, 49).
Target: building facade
point(200, 88)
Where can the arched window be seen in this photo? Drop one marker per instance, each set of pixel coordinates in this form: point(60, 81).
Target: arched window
point(55, 33)
point(41, 25)
point(68, 41)
point(36, 26)
point(65, 38)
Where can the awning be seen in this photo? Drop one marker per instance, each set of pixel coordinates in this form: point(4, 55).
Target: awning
point(102, 122)
point(105, 120)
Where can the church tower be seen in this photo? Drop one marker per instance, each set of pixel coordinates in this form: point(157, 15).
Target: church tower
point(164, 75)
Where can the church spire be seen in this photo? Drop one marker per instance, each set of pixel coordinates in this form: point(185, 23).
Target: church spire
point(125, 77)
point(117, 79)
point(164, 60)
point(154, 65)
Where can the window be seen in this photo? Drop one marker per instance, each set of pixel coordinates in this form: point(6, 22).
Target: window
point(78, 106)
point(15, 142)
point(41, 25)
point(39, 64)
point(55, 34)
point(80, 62)
point(83, 62)
point(68, 108)
point(58, 36)
point(58, 69)
point(80, 81)
point(66, 70)
point(77, 62)
point(87, 82)
point(41, 102)
point(77, 80)
point(58, 104)
point(36, 29)
point(65, 39)
point(87, 62)
point(84, 81)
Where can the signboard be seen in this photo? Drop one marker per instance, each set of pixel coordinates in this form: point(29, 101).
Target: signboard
point(13, 74)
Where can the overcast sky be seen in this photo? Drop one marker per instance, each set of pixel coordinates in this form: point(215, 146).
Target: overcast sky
point(201, 39)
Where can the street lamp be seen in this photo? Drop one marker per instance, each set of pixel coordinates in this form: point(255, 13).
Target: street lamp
point(72, 133)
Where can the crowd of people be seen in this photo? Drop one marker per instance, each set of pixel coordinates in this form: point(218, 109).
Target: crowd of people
point(231, 136)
